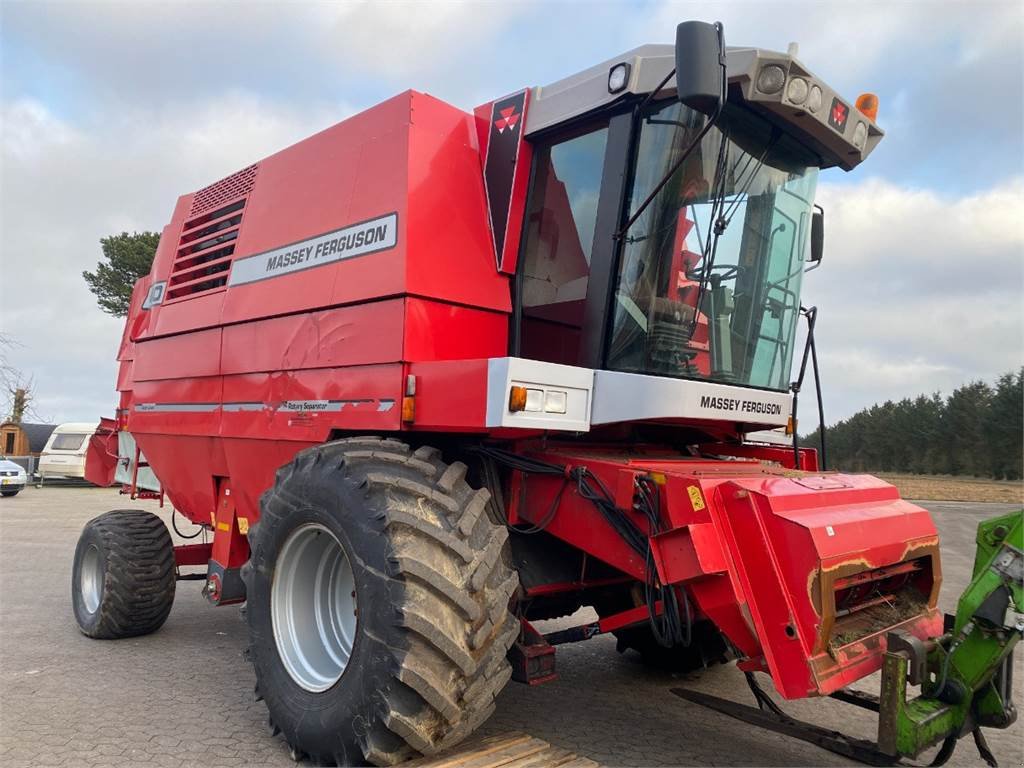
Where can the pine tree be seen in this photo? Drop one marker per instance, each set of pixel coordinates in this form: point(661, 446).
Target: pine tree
point(978, 430)
point(126, 258)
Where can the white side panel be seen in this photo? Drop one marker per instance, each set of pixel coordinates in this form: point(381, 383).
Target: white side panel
point(635, 397)
point(125, 465)
point(66, 464)
point(577, 383)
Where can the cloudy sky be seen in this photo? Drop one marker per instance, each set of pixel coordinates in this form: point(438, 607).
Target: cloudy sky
point(111, 110)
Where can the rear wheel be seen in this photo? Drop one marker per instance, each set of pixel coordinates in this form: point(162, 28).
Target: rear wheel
point(377, 602)
point(123, 577)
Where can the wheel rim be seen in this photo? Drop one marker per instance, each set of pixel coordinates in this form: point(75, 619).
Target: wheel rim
point(313, 607)
point(90, 579)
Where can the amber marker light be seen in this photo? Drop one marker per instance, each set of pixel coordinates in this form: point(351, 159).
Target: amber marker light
point(408, 409)
point(517, 399)
point(867, 105)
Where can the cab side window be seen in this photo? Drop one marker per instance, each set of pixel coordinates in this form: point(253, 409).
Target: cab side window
point(559, 236)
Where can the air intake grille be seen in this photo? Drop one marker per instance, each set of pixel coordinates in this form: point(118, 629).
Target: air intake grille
point(205, 250)
point(217, 194)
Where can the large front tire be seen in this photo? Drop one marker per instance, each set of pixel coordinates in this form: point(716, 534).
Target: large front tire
point(123, 577)
point(378, 593)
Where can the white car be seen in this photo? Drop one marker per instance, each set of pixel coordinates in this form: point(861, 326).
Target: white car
point(12, 478)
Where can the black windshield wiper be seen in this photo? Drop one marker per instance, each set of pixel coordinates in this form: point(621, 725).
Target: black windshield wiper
point(721, 222)
point(694, 143)
point(776, 133)
point(718, 226)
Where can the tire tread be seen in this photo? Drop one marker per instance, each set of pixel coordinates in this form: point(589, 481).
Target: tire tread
point(452, 627)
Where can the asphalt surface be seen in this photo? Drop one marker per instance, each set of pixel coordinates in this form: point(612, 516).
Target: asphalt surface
point(183, 696)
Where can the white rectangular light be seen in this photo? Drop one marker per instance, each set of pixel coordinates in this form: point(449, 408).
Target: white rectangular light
point(534, 400)
point(555, 401)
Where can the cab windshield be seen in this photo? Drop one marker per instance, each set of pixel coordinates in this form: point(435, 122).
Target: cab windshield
point(708, 280)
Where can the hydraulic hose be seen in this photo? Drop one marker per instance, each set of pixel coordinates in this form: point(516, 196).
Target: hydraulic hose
point(810, 352)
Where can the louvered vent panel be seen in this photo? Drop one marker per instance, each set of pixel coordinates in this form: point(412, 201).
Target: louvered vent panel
point(205, 250)
point(217, 194)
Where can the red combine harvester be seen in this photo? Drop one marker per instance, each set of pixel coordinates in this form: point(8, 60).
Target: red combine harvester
point(429, 376)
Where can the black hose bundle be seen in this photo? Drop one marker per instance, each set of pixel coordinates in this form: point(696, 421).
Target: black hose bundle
point(670, 628)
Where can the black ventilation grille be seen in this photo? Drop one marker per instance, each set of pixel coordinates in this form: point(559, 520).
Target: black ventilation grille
point(205, 251)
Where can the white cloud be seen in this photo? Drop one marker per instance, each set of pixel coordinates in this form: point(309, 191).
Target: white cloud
point(402, 39)
point(845, 42)
point(918, 291)
point(144, 52)
point(63, 187)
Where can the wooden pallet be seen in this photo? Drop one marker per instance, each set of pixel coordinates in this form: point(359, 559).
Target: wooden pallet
point(511, 750)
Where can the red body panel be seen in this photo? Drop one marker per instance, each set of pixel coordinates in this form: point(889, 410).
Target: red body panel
point(101, 455)
point(284, 362)
point(763, 553)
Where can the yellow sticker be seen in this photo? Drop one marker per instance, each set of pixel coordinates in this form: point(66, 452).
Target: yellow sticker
point(213, 519)
point(243, 525)
point(223, 527)
point(696, 498)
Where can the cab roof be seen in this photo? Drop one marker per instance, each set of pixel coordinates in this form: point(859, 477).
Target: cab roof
point(648, 65)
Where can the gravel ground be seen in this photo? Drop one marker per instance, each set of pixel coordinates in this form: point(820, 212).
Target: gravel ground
point(183, 696)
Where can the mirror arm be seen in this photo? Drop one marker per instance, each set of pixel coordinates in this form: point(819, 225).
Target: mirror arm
point(724, 94)
point(670, 173)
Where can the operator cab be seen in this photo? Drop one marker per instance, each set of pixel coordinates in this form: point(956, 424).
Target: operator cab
point(659, 246)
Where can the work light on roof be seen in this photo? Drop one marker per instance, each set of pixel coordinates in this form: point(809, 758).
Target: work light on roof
point(797, 90)
point(771, 78)
point(617, 77)
point(814, 99)
point(860, 135)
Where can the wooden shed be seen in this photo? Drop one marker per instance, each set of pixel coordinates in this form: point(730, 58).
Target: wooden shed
point(20, 439)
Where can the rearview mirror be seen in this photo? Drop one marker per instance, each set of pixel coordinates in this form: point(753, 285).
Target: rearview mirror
point(817, 234)
point(700, 66)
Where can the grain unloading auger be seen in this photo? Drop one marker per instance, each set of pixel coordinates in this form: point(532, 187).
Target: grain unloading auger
point(428, 377)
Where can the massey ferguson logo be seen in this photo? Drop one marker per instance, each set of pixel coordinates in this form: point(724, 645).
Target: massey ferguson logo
point(837, 115)
point(371, 236)
point(507, 115)
point(743, 406)
point(509, 118)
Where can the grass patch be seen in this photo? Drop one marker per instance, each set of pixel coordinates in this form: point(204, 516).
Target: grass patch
point(955, 488)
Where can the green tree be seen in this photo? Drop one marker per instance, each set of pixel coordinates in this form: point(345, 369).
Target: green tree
point(963, 428)
point(126, 258)
point(1004, 425)
point(978, 430)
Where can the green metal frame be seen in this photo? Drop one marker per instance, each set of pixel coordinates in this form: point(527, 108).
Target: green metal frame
point(967, 671)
